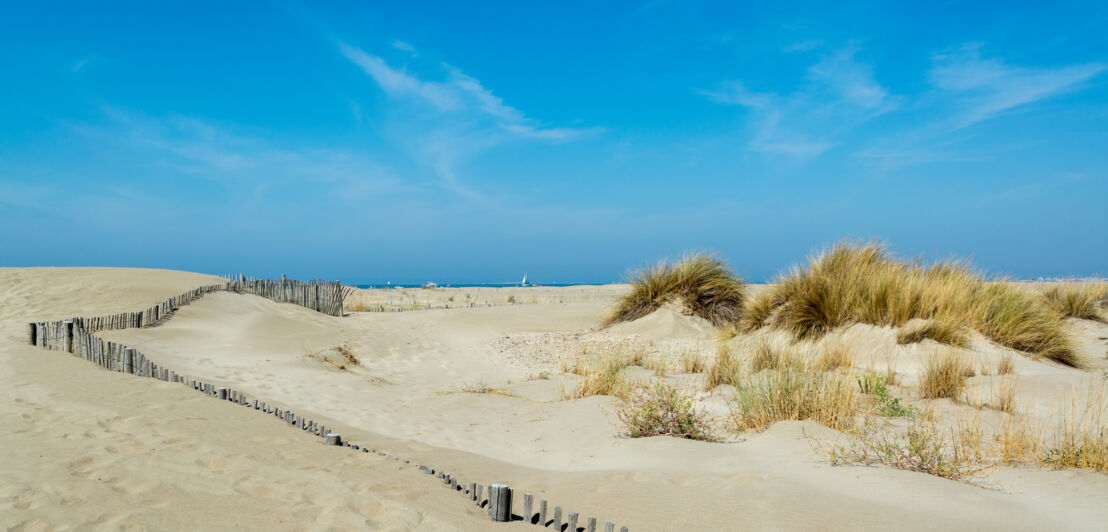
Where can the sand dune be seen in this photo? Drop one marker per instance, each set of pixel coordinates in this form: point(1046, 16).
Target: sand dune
point(100, 450)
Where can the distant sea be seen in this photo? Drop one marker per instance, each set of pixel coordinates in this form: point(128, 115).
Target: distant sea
point(471, 285)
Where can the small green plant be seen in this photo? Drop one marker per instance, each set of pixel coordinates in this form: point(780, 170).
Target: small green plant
point(662, 410)
point(887, 404)
point(511, 299)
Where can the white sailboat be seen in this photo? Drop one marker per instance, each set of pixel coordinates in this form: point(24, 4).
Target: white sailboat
point(524, 281)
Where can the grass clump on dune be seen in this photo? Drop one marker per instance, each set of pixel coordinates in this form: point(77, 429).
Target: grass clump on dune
point(700, 281)
point(1077, 302)
point(939, 331)
point(862, 283)
point(661, 410)
point(794, 393)
point(944, 376)
point(726, 368)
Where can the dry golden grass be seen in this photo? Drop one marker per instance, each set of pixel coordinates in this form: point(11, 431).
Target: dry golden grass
point(699, 281)
point(657, 364)
point(944, 376)
point(602, 373)
point(692, 362)
point(768, 355)
point(757, 310)
point(1083, 302)
point(937, 330)
point(1005, 366)
point(833, 355)
point(1000, 396)
point(795, 393)
point(1081, 435)
point(340, 357)
point(862, 283)
point(726, 369)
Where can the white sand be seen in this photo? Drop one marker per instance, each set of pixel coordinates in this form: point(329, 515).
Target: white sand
point(94, 449)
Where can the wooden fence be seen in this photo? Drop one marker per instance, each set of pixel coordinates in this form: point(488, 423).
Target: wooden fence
point(75, 336)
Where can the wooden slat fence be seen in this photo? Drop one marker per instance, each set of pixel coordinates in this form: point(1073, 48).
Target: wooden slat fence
point(75, 335)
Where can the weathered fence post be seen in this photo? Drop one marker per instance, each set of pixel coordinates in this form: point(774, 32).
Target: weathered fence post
point(67, 343)
point(333, 439)
point(572, 522)
point(128, 360)
point(500, 503)
point(34, 333)
point(528, 501)
point(542, 513)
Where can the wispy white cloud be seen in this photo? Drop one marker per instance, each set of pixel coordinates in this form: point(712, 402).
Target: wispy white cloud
point(989, 87)
point(465, 116)
point(852, 81)
point(403, 46)
point(803, 46)
point(840, 93)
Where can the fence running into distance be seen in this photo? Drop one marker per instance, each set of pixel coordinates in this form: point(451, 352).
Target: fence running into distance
point(75, 336)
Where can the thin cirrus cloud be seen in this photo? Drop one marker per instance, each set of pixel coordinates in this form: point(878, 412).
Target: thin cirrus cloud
point(985, 88)
point(838, 94)
point(466, 117)
point(968, 89)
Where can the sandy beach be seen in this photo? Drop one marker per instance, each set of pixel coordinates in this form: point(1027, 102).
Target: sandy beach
point(480, 391)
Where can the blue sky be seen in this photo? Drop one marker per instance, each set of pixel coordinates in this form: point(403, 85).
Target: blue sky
point(447, 141)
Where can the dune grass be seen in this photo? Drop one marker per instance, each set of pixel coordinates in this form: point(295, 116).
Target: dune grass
point(692, 362)
point(1083, 302)
point(726, 369)
point(834, 355)
point(699, 281)
point(794, 393)
point(944, 376)
point(937, 330)
point(661, 410)
point(862, 283)
point(601, 374)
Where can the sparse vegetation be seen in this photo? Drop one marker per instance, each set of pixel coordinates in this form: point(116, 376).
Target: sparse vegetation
point(661, 410)
point(886, 404)
point(855, 283)
point(700, 281)
point(692, 362)
point(1083, 302)
point(771, 356)
point(602, 373)
point(944, 376)
point(794, 393)
point(937, 330)
point(339, 356)
point(833, 355)
point(1006, 366)
point(726, 368)
point(921, 448)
